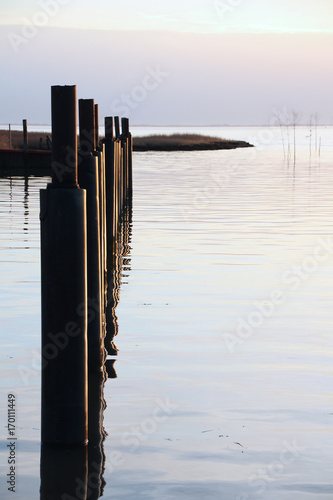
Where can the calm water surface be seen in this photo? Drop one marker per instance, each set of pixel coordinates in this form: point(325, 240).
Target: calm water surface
point(224, 371)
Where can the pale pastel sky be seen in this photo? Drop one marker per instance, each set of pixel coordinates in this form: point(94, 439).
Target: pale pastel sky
point(204, 62)
point(199, 16)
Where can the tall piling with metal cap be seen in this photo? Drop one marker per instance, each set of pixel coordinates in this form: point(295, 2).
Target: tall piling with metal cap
point(89, 178)
point(64, 284)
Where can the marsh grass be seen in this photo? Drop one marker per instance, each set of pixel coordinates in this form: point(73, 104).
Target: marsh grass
point(184, 142)
point(17, 139)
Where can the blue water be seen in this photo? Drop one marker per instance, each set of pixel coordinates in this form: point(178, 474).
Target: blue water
point(224, 371)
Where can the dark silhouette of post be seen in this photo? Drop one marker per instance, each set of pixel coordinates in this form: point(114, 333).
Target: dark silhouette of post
point(101, 178)
point(64, 284)
point(117, 127)
point(97, 435)
point(9, 137)
point(64, 472)
point(130, 169)
point(64, 137)
point(25, 136)
point(87, 125)
point(110, 184)
point(125, 127)
point(125, 146)
point(89, 180)
point(108, 122)
point(96, 126)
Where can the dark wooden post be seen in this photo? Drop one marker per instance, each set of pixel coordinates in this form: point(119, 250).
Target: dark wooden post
point(64, 285)
point(87, 126)
point(96, 126)
point(125, 144)
point(108, 128)
point(64, 137)
point(25, 136)
point(101, 176)
point(110, 185)
point(125, 127)
point(130, 168)
point(89, 180)
point(117, 127)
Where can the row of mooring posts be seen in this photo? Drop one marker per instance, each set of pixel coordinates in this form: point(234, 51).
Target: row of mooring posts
point(81, 211)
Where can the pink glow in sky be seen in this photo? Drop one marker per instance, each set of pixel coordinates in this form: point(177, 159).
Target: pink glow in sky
point(163, 63)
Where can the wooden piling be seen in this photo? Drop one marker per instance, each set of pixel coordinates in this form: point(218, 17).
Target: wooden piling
point(110, 181)
point(130, 169)
point(117, 127)
point(101, 176)
point(25, 136)
point(108, 122)
point(87, 125)
point(64, 285)
point(96, 126)
point(89, 180)
point(125, 127)
point(64, 137)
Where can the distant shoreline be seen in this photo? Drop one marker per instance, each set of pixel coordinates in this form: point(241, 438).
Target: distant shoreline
point(185, 142)
point(173, 142)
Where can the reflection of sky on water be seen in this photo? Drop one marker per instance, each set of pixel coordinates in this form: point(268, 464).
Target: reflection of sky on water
point(202, 252)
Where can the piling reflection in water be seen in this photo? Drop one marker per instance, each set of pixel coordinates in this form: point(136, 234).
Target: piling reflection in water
point(78, 472)
point(116, 265)
point(26, 203)
point(64, 472)
point(96, 434)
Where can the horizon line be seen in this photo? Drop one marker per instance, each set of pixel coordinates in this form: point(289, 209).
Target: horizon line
point(276, 31)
